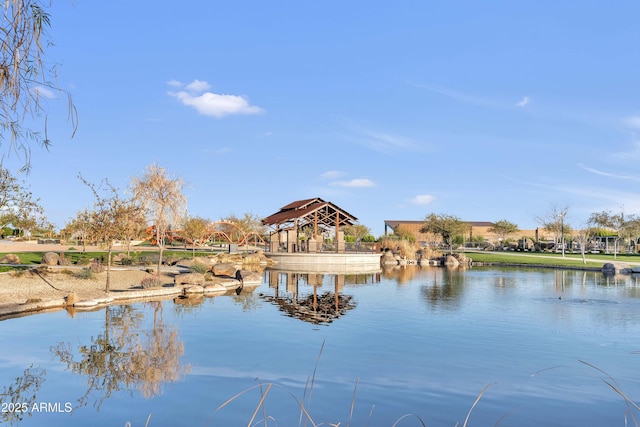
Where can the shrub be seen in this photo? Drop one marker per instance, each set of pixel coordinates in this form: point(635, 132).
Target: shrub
point(198, 268)
point(148, 282)
point(84, 274)
point(96, 266)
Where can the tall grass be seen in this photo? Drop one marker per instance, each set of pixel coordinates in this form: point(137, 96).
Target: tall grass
point(304, 404)
point(260, 415)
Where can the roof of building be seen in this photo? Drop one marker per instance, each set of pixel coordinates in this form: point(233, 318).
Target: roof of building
point(307, 211)
point(395, 223)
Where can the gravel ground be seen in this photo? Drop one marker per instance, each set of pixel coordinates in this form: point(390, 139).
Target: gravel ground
point(51, 284)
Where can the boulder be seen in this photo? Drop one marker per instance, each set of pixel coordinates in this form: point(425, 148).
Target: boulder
point(248, 276)
point(224, 269)
point(462, 258)
point(10, 259)
point(387, 258)
point(50, 258)
point(122, 259)
point(616, 268)
point(195, 289)
point(451, 260)
point(189, 279)
point(71, 298)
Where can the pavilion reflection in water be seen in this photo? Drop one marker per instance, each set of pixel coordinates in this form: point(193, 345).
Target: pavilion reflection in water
point(314, 297)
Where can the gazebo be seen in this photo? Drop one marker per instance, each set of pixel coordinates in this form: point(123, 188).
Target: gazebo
point(300, 226)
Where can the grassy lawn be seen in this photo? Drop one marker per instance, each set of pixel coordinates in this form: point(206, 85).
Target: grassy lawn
point(77, 257)
point(550, 259)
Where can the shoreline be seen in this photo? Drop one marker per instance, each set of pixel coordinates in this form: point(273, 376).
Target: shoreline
point(50, 288)
point(43, 288)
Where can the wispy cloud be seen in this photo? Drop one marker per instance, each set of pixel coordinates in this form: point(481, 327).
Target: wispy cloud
point(383, 142)
point(44, 92)
point(609, 174)
point(631, 155)
point(524, 102)
point(196, 95)
point(633, 122)
point(455, 95)
point(422, 199)
point(355, 183)
point(332, 174)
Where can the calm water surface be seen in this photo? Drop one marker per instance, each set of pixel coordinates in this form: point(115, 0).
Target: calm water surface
point(554, 348)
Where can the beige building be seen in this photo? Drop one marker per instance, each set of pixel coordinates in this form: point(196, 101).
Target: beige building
point(477, 230)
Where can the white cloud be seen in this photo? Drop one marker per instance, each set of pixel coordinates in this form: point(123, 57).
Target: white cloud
point(633, 122)
point(44, 92)
point(422, 199)
point(175, 83)
point(198, 86)
point(524, 102)
point(355, 183)
point(209, 103)
point(333, 174)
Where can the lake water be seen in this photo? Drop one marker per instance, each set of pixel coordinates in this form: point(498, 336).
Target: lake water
point(554, 348)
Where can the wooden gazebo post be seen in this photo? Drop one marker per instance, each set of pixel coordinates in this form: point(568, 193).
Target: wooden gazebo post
point(337, 230)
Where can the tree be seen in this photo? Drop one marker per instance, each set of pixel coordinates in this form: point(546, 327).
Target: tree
point(79, 226)
point(110, 218)
point(17, 203)
point(162, 199)
point(196, 230)
point(404, 233)
point(503, 229)
point(622, 226)
point(357, 231)
point(24, 77)
point(446, 226)
point(555, 222)
point(583, 237)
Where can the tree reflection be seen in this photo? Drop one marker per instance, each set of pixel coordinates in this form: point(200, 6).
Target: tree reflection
point(400, 273)
point(445, 289)
point(126, 357)
point(22, 391)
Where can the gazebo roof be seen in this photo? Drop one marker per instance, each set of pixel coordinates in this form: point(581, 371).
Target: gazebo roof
point(307, 211)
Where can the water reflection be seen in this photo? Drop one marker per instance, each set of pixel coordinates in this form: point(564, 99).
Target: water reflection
point(292, 295)
point(21, 392)
point(445, 289)
point(126, 356)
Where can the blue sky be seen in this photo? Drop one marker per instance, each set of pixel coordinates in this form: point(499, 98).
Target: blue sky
point(391, 110)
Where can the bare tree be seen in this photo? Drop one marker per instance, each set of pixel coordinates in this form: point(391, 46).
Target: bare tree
point(24, 77)
point(164, 203)
point(110, 218)
point(555, 222)
point(80, 226)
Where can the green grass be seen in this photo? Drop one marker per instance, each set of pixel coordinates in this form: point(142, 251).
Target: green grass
point(549, 259)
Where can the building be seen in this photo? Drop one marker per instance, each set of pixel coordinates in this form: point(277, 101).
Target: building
point(478, 231)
